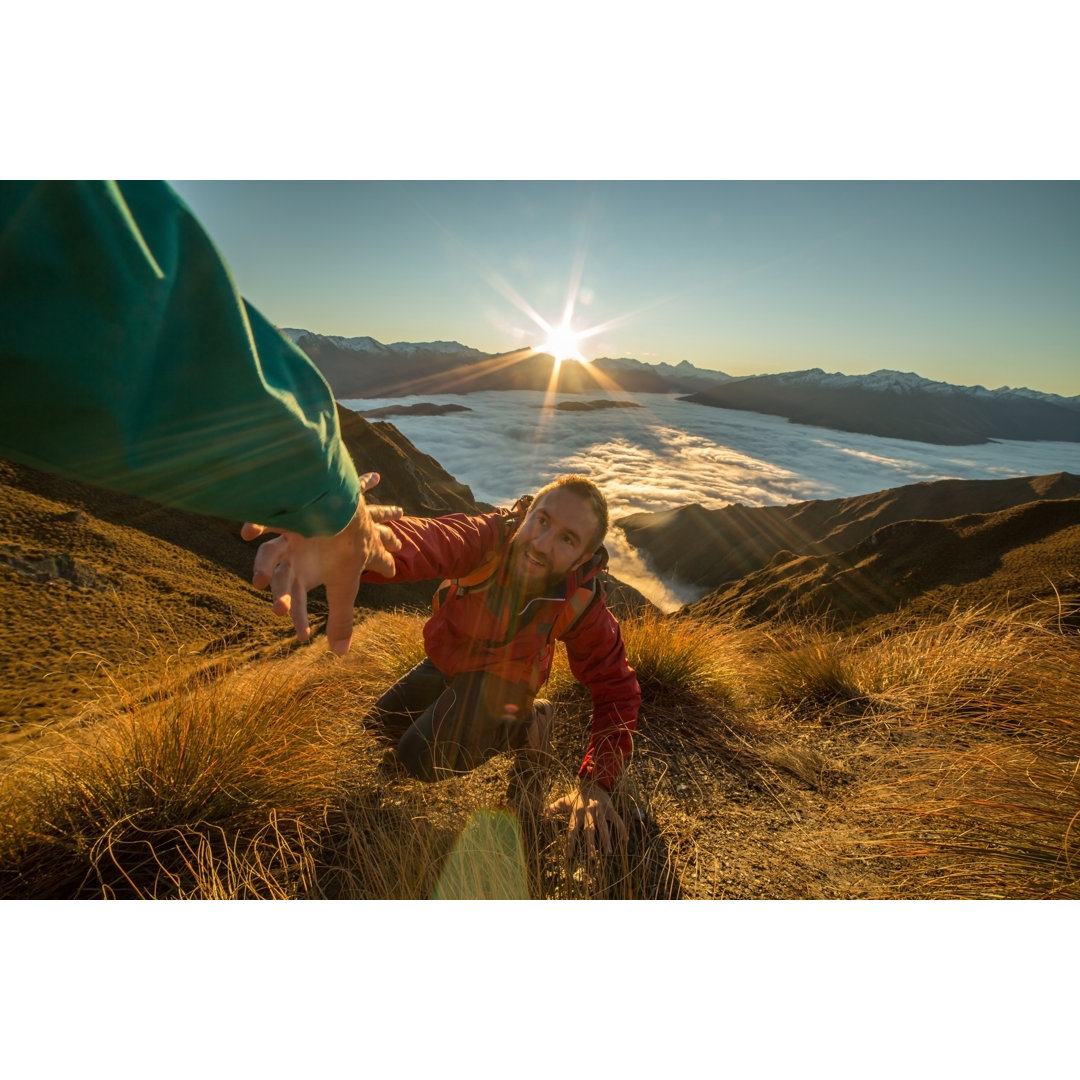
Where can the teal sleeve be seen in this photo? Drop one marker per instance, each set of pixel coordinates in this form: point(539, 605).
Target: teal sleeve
point(129, 360)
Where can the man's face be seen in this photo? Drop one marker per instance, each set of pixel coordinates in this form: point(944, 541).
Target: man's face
point(555, 538)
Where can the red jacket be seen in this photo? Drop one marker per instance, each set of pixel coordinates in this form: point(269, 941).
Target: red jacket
point(480, 631)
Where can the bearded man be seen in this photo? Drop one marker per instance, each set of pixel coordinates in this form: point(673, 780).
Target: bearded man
point(517, 581)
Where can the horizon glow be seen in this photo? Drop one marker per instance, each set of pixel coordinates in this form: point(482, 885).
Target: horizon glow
point(973, 283)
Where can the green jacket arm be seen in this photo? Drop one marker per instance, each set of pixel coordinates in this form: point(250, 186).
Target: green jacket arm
point(129, 360)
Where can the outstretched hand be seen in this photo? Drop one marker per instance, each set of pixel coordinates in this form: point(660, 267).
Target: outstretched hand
point(592, 816)
point(292, 565)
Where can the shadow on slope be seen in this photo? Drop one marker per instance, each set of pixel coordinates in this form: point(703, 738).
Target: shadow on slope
point(1021, 553)
point(710, 548)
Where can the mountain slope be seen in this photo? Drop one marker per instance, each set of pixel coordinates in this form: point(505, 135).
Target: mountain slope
point(915, 567)
point(710, 548)
point(94, 583)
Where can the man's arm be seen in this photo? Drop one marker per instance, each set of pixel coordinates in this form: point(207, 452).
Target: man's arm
point(130, 361)
point(442, 547)
point(292, 565)
point(598, 660)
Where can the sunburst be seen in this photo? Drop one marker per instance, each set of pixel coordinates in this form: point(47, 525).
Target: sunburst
point(563, 344)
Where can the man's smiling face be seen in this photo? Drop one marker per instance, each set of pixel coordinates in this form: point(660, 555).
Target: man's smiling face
point(557, 536)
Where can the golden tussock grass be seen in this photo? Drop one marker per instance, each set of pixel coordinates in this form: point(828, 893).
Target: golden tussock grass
point(938, 759)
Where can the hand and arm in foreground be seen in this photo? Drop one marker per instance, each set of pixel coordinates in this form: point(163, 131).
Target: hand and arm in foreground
point(291, 565)
point(411, 549)
point(598, 660)
point(131, 362)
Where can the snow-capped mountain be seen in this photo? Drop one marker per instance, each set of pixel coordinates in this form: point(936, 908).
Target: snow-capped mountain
point(886, 380)
point(681, 369)
point(369, 344)
point(642, 377)
point(903, 405)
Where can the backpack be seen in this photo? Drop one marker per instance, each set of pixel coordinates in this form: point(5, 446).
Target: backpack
point(482, 578)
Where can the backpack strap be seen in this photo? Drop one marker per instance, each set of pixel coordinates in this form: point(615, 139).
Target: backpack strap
point(482, 577)
point(575, 607)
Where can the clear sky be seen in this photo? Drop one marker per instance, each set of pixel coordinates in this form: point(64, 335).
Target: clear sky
point(968, 282)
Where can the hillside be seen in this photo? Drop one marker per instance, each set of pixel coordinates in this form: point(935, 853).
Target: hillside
point(917, 568)
point(713, 548)
point(94, 583)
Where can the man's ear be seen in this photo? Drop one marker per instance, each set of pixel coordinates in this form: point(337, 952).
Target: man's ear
point(584, 559)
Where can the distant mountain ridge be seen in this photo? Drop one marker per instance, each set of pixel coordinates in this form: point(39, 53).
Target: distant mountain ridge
point(902, 405)
point(362, 367)
point(886, 403)
point(888, 380)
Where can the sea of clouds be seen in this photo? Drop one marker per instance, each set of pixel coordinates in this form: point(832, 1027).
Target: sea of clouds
point(669, 453)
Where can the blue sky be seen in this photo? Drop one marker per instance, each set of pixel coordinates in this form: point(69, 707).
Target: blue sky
point(969, 282)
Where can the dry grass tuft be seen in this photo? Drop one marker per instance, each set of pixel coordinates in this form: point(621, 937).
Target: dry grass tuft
point(996, 803)
point(684, 658)
point(233, 770)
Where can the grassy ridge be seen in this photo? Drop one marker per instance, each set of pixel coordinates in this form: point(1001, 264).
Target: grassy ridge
point(937, 760)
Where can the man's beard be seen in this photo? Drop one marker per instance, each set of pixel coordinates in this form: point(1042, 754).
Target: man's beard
point(531, 578)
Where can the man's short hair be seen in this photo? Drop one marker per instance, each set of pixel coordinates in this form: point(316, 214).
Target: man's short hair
point(583, 488)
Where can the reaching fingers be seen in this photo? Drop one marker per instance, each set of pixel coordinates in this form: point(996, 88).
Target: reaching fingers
point(281, 588)
point(604, 832)
point(299, 613)
point(267, 557)
point(379, 559)
point(340, 598)
point(588, 831)
point(251, 531)
point(379, 513)
point(620, 828)
point(368, 481)
point(390, 539)
point(557, 808)
point(572, 838)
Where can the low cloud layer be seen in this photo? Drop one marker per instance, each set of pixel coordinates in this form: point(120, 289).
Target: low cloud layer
point(671, 453)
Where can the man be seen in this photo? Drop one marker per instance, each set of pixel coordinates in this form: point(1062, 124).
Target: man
point(515, 585)
point(130, 361)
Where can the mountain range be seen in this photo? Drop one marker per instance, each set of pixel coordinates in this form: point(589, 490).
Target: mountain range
point(901, 405)
point(885, 403)
point(362, 367)
point(907, 549)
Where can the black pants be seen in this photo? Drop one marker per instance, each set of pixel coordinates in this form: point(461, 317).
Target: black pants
point(454, 724)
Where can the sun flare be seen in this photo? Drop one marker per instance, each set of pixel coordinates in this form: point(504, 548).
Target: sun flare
point(563, 344)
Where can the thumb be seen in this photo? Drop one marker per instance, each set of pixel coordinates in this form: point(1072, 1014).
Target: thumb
point(251, 531)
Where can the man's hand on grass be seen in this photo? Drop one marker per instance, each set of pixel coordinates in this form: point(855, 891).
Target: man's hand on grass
point(593, 818)
point(292, 565)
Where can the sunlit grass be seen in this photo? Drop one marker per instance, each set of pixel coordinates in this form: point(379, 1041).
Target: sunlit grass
point(940, 759)
point(211, 770)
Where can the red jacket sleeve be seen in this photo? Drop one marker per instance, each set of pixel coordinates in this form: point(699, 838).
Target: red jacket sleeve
point(442, 547)
point(598, 660)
